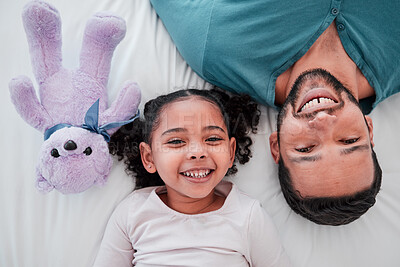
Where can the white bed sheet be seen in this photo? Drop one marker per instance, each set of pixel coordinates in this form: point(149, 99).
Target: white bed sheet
point(65, 230)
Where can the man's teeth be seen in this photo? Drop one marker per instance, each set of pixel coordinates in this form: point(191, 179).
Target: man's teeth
point(197, 174)
point(314, 102)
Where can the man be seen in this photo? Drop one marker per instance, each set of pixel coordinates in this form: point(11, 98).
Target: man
point(316, 61)
point(327, 167)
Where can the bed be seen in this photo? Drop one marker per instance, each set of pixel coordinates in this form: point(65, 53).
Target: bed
point(53, 229)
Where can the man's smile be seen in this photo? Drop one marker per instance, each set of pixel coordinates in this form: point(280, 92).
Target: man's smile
point(317, 98)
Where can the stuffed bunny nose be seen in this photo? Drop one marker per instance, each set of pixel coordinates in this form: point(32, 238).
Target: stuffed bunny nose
point(70, 145)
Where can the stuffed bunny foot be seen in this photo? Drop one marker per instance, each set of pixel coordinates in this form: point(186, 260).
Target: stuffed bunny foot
point(103, 33)
point(42, 18)
point(42, 24)
point(105, 29)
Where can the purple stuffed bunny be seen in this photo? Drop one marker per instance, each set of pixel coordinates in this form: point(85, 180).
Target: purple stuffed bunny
point(72, 111)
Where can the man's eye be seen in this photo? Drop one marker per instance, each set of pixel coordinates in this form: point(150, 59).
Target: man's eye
point(304, 149)
point(350, 141)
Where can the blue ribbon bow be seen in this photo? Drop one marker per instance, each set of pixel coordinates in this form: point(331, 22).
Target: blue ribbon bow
point(91, 123)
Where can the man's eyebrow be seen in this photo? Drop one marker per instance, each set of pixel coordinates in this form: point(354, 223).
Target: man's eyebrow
point(352, 149)
point(305, 158)
point(174, 130)
point(317, 157)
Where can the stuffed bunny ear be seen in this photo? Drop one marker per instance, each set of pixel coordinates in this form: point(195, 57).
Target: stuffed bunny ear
point(43, 29)
point(124, 107)
point(43, 185)
point(103, 32)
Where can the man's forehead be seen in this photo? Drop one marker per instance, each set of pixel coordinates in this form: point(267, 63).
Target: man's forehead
point(333, 176)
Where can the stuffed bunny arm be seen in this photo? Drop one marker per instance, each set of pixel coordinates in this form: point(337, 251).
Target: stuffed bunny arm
point(24, 98)
point(122, 105)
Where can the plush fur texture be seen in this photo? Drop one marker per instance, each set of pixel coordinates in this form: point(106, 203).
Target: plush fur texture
point(66, 95)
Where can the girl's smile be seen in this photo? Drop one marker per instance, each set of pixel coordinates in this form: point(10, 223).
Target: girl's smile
point(198, 176)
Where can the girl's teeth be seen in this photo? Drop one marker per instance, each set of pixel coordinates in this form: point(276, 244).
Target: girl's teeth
point(199, 174)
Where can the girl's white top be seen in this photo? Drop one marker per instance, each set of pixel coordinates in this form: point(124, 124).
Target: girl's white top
point(143, 231)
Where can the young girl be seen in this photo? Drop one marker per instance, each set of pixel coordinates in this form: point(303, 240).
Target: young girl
point(185, 215)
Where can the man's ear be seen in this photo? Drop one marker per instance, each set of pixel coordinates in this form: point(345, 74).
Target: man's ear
point(274, 146)
point(147, 157)
point(370, 129)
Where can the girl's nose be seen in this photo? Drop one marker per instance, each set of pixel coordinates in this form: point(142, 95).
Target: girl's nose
point(322, 121)
point(197, 151)
point(195, 157)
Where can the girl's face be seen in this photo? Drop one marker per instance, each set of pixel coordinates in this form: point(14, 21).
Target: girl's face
point(190, 149)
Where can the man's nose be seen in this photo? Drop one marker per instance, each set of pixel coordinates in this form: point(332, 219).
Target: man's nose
point(322, 121)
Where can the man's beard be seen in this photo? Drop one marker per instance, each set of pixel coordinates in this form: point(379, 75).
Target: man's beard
point(313, 74)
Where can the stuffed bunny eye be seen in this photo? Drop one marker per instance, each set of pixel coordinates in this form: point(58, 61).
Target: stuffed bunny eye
point(87, 151)
point(54, 153)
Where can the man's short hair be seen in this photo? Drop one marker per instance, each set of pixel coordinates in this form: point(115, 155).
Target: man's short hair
point(330, 210)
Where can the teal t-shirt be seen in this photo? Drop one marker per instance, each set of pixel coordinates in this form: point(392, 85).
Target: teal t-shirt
point(244, 45)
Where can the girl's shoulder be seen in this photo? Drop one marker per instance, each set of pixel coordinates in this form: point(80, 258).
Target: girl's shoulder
point(248, 209)
point(136, 200)
point(236, 199)
point(140, 195)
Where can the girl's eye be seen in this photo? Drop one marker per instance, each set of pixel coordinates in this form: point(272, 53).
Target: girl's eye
point(350, 141)
point(214, 139)
point(304, 149)
point(175, 141)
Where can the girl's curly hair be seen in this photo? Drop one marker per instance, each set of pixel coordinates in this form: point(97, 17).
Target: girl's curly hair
point(241, 117)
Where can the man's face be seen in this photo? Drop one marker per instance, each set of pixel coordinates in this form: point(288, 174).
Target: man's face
point(324, 139)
